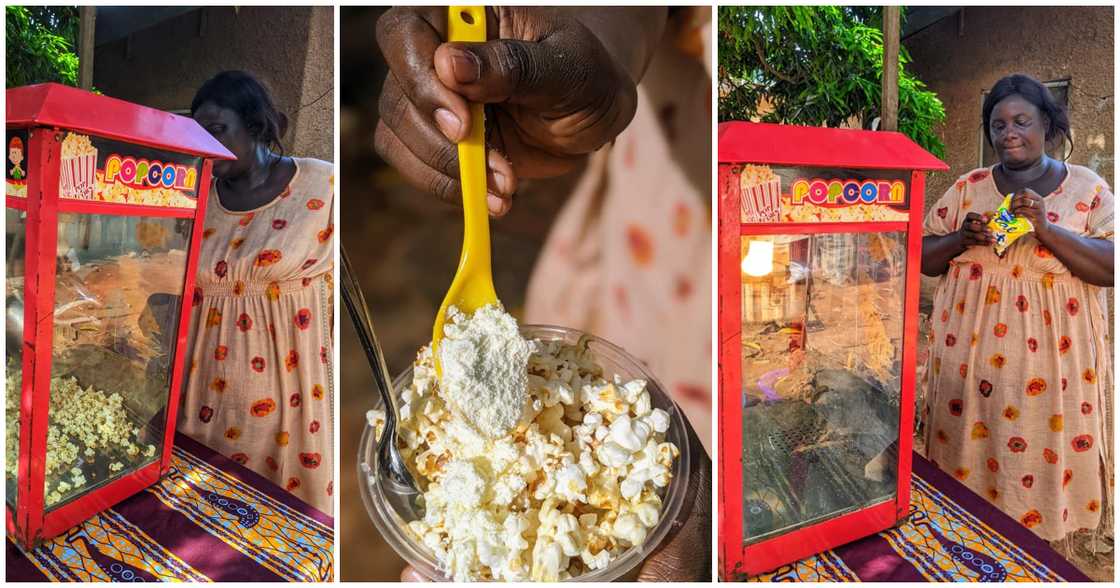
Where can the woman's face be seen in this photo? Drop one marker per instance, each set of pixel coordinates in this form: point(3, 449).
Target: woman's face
point(1018, 132)
point(226, 126)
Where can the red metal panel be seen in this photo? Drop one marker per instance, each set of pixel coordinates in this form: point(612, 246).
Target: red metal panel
point(16, 202)
point(730, 365)
point(185, 315)
point(822, 228)
point(821, 147)
point(38, 327)
point(910, 342)
point(118, 209)
point(797, 545)
point(63, 106)
point(90, 503)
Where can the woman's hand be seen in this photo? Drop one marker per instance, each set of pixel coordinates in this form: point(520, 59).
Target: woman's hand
point(939, 250)
point(1026, 203)
point(685, 555)
point(561, 83)
point(974, 231)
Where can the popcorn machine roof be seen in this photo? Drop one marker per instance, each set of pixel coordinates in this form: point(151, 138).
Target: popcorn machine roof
point(744, 142)
point(55, 105)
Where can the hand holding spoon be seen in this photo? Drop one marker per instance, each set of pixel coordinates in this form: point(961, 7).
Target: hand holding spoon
point(473, 285)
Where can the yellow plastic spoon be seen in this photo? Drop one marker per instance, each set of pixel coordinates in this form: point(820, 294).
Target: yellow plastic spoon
point(473, 286)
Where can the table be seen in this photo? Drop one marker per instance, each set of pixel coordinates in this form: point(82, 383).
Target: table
point(952, 535)
point(209, 519)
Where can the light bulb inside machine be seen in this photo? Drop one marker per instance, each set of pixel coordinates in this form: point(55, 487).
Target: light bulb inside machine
point(759, 261)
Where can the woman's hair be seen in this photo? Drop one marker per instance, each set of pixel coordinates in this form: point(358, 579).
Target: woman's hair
point(1036, 93)
point(242, 93)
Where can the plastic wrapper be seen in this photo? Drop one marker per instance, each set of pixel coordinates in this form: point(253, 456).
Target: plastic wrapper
point(1007, 227)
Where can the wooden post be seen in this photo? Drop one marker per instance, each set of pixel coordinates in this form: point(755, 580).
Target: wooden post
point(889, 112)
point(87, 15)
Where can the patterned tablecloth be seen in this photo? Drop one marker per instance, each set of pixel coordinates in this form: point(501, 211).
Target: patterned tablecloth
point(952, 535)
point(209, 519)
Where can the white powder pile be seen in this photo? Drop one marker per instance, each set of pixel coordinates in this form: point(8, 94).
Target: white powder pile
point(580, 481)
point(485, 368)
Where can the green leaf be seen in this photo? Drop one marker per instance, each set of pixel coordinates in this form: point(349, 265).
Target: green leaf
point(40, 45)
point(821, 64)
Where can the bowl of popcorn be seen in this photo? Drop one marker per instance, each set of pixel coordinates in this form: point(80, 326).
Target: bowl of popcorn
point(583, 481)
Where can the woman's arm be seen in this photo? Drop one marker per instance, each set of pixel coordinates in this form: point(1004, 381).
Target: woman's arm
point(1089, 259)
point(939, 250)
point(1086, 258)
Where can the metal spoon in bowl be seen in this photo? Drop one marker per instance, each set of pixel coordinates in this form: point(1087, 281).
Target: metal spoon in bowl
point(390, 464)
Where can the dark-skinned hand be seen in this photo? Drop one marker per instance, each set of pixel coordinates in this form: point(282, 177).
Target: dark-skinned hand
point(554, 90)
point(1026, 203)
point(685, 555)
point(974, 230)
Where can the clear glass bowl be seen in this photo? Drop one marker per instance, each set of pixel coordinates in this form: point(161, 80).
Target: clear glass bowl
point(613, 361)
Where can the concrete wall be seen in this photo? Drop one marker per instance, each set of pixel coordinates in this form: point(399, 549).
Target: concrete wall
point(290, 49)
point(1046, 42)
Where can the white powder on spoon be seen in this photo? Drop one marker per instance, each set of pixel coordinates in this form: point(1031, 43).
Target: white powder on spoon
point(485, 368)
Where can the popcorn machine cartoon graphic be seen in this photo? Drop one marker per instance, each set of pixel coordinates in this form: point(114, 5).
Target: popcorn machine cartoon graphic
point(15, 157)
point(819, 252)
point(103, 227)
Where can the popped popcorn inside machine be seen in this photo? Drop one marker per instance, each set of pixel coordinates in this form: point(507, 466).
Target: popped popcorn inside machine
point(819, 255)
point(103, 221)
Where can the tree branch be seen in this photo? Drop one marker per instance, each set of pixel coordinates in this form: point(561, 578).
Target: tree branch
point(766, 66)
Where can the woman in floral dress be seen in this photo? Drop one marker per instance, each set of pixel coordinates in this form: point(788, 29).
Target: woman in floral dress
point(260, 384)
point(1020, 380)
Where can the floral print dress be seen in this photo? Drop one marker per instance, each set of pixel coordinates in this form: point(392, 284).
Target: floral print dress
point(1018, 400)
point(628, 257)
point(260, 384)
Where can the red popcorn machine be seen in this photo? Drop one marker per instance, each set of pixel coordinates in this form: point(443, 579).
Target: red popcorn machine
point(104, 217)
point(819, 254)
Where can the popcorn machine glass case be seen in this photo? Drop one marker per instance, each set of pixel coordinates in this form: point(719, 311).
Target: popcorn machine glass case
point(819, 254)
point(104, 209)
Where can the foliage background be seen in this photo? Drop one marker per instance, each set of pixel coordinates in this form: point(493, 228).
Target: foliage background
point(41, 45)
point(816, 65)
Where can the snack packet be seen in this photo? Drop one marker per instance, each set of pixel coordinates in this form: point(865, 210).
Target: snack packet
point(1007, 227)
